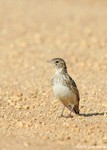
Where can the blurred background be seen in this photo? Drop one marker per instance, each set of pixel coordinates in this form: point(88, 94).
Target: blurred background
point(32, 32)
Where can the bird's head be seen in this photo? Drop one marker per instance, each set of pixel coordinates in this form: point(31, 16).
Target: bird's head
point(59, 63)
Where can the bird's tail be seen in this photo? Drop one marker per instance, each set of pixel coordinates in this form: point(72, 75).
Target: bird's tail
point(76, 109)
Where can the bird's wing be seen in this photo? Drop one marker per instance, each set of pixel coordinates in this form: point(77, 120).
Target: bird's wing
point(73, 86)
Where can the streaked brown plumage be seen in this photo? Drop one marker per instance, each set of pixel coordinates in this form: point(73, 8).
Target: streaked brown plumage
point(64, 87)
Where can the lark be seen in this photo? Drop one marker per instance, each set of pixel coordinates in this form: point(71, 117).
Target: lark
point(64, 87)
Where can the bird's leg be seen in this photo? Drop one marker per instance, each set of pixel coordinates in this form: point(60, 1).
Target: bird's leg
point(62, 111)
point(69, 116)
point(71, 110)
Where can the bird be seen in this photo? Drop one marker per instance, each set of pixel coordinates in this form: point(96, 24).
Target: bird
point(64, 87)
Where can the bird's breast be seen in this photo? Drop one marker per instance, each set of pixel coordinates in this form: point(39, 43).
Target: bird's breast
point(62, 91)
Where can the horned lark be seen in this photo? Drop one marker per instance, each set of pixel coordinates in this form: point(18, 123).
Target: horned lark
point(64, 87)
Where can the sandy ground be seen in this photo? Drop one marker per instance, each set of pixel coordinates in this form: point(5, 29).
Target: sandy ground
point(32, 32)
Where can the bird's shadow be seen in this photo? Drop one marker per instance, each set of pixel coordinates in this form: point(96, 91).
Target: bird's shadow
point(93, 114)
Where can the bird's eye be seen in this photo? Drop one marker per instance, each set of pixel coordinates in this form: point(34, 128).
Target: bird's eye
point(57, 62)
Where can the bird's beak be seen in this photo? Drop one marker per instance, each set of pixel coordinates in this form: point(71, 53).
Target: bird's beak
point(49, 61)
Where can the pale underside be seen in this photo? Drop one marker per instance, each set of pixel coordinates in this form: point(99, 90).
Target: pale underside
point(64, 94)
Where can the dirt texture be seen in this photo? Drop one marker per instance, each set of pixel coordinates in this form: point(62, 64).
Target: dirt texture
point(32, 32)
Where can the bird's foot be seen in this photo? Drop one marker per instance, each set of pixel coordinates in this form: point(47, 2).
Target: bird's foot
point(69, 116)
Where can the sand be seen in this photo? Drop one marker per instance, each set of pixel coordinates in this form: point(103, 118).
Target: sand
point(33, 32)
